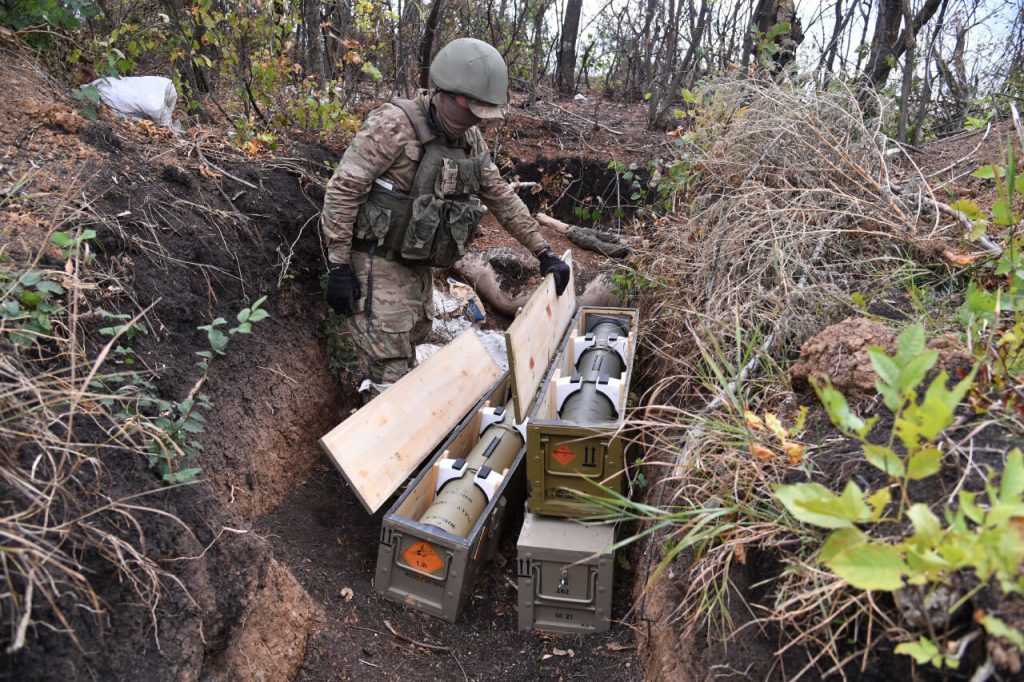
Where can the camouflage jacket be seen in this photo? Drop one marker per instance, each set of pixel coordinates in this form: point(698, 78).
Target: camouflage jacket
point(386, 147)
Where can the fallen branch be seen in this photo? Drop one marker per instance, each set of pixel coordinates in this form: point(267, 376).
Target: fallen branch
point(586, 120)
point(604, 243)
point(212, 167)
point(553, 223)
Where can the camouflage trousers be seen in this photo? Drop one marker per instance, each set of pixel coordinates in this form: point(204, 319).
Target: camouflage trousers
point(395, 314)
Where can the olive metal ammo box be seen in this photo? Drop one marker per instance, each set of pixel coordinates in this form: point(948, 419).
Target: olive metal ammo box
point(565, 459)
point(565, 575)
point(424, 566)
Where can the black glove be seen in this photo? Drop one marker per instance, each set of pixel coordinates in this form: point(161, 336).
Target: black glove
point(549, 262)
point(343, 290)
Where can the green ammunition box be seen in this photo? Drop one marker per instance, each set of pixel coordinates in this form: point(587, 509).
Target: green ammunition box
point(567, 459)
point(424, 566)
point(565, 575)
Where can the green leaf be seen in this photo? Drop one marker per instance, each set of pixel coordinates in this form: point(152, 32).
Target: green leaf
point(182, 475)
point(879, 500)
point(870, 566)
point(31, 299)
point(1001, 213)
point(996, 627)
point(915, 370)
point(258, 315)
point(887, 370)
point(969, 208)
point(988, 172)
point(923, 464)
point(1011, 487)
point(923, 650)
point(927, 420)
point(927, 528)
point(61, 239)
point(969, 508)
point(885, 459)
point(47, 286)
point(911, 342)
point(840, 541)
point(888, 384)
point(243, 315)
point(838, 409)
point(815, 504)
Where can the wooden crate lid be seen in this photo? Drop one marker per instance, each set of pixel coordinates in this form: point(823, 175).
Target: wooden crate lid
point(378, 447)
point(534, 336)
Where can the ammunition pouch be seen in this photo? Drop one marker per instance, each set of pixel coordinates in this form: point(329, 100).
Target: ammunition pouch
point(430, 229)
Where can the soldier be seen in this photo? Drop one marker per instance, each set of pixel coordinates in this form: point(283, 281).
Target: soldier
point(408, 195)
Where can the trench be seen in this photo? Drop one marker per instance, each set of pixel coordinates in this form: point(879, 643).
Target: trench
point(572, 185)
point(272, 473)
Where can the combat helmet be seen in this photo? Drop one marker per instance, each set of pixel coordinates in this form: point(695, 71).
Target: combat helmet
point(473, 68)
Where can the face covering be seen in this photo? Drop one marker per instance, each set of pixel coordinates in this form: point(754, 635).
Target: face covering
point(455, 119)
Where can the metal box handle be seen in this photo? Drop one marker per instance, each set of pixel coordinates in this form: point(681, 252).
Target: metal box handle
point(566, 600)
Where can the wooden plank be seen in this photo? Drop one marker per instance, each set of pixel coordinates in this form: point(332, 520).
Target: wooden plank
point(417, 501)
point(534, 336)
point(380, 445)
point(553, 395)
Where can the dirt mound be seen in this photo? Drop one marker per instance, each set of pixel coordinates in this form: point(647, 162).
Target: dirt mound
point(227, 594)
point(270, 642)
point(840, 353)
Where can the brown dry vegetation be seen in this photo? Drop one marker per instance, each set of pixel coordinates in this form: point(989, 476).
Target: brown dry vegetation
point(799, 205)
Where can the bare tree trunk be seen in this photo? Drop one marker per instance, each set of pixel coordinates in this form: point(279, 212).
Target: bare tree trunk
point(865, 15)
point(404, 49)
point(926, 89)
point(538, 45)
point(759, 22)
point(567, 46)
point(888, 43)
point(311, 18)
point(427, 43)
point(910, 42)
point(828, 56)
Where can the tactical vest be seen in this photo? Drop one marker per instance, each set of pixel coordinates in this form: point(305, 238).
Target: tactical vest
point(435, 222)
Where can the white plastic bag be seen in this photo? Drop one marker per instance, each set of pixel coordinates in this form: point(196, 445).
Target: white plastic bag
point(140, 97)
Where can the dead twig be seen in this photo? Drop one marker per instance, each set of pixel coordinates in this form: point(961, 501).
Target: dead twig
point(214, 168)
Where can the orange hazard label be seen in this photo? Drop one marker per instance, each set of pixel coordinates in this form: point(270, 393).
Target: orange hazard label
point(563, 454)
point(423, 557)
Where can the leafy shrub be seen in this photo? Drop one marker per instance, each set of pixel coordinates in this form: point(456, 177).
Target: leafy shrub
point(976, 537)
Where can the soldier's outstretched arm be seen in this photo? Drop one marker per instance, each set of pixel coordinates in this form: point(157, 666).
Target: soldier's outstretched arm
point(372, 152)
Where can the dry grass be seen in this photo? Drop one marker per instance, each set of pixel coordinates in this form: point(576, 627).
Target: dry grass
point(799, 205)
point(63, 437)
